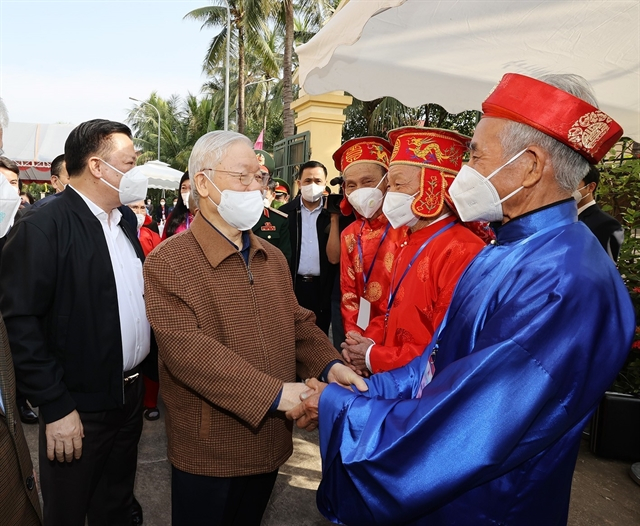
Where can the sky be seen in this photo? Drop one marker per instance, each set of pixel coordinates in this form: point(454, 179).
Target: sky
point(72, 61)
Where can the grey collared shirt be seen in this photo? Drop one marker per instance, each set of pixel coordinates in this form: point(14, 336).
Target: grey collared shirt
point(309, 264)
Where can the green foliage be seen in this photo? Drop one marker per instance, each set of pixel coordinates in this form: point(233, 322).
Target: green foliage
point(378, 116)
point(619, 195)
point(182, 123)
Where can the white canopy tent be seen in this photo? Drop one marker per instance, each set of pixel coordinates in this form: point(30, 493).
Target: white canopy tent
point(161, 175)
point(34, 146)
point(454, 53)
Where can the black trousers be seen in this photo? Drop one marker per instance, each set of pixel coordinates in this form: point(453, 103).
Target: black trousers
point(198, 500)
point(98, 486)
point(311, 296)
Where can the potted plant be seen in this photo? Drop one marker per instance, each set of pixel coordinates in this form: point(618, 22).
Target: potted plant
point(615, 427)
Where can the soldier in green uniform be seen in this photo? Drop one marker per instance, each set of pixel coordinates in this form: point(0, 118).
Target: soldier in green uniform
point(274, 225)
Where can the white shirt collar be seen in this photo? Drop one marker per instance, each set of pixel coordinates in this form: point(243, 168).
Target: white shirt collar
point(584, 207)
point(316, 209)
point(113, 218)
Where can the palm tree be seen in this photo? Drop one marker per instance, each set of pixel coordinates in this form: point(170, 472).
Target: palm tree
point(248, 22)
point(182, 124)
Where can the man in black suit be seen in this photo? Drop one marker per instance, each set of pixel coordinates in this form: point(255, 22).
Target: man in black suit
point(608, 231)
point(72, 299)
point(309, 225)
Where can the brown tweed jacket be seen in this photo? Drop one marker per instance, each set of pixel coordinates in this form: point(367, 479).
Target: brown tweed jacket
point(228, 337)
point(19, 504)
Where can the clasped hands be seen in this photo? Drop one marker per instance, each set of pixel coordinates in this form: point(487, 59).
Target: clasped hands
point(354, 352)
point(300, 400)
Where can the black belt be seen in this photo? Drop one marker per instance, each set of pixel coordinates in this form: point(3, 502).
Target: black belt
point(307, 278)
point(131, 376)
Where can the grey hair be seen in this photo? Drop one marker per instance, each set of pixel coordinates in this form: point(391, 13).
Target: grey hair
point(209, 151)
point(569, 166)
point(4, 115)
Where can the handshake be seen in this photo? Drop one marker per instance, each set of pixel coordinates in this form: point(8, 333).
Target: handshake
point(300, 401)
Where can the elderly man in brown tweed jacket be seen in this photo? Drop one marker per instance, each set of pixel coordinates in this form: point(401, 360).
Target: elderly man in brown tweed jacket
point(226, 377)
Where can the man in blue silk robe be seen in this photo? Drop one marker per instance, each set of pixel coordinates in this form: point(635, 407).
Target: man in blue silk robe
point(539, 325)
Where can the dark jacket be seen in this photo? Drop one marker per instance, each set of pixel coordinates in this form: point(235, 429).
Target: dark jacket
point(323, 224)
point(60, 306)
point(273, 226)
point(608, 231)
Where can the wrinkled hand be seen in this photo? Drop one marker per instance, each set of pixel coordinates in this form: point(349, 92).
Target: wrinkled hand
point(64, 438)
point(345, 377)
point(305, 414)
point(291, 395)
point(355, 347)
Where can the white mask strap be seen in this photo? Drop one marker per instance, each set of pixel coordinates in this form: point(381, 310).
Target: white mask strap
point(506, 164)
point(511, 194)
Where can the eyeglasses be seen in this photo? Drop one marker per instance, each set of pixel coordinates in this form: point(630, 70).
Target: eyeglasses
point(245, 179)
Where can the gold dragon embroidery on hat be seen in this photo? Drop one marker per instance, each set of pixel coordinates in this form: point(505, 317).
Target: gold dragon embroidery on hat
point(379, 152)
point(425, 148)
point(587, 131)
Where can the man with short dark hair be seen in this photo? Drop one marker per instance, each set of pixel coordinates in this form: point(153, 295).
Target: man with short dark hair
point(9, 169)
point(606, 228)
point(78, 329)
point(309, 225)
point(59, 175)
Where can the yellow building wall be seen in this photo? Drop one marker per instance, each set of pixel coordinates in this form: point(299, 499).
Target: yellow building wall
point(322, 116)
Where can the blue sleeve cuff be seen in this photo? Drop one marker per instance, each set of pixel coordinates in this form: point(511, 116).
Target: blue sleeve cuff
point(325, 372)
point(276, 402)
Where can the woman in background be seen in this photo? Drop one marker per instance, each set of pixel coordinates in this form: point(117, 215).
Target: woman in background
point(180, 219)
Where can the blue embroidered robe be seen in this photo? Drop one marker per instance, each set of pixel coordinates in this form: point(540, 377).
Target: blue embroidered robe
point(537, 330)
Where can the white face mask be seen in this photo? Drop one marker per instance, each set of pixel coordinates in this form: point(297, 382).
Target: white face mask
point(140, 218)
point(577, 195)
point(133, 185)
point(397, 209)
point(476, 199)
point(185, 198)
point(312, 192)
point(241, 210)
point(367, 201)
point(9, 204)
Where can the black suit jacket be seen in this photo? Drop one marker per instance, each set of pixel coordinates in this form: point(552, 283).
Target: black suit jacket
point(59, 300)
point(323, 224)
point(608, 231)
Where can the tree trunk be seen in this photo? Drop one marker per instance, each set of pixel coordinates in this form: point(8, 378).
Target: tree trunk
point(241, 79)
point(368, 107)
point(287, 84)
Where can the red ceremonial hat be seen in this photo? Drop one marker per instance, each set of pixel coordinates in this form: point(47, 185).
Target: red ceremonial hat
point(362, 150)
point(281, 189)
point(439, 153)
point(565, 117)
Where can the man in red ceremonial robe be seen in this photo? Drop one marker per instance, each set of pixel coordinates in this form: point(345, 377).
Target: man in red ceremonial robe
point(428, 265)
point(369, 244)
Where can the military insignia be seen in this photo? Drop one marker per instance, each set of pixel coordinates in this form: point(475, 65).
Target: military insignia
point(587, 131)
point(268, 227)
point(353, 154)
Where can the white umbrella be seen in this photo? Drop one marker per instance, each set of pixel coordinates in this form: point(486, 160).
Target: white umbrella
point(161, 175)
point(453, 53)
